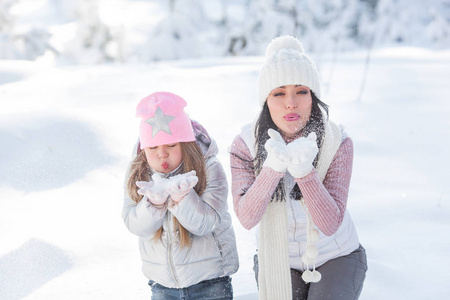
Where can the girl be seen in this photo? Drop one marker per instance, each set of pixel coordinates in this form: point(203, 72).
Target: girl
point(176, 202)
point(291, 173)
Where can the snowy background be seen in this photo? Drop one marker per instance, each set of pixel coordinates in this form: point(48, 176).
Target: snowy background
point(67, 128)
point(98, 31)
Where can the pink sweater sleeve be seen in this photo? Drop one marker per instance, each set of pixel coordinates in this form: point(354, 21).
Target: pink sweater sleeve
point(251, 194)
point(325, 201)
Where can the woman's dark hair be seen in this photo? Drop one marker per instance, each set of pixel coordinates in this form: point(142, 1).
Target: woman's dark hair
point(265, 122)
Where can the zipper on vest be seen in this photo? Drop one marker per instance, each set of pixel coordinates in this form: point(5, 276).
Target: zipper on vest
point(219, 246)
point(170, 248)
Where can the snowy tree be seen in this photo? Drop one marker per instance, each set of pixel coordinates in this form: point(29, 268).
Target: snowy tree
point(7, 48)
point(77, 31)
point(438, 30)
point(20, 42)
point(93, 41)
point(261, 21)
point(173, 37)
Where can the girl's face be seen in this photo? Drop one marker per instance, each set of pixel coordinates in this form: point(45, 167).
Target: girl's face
point(164, 158)
point(290, 107)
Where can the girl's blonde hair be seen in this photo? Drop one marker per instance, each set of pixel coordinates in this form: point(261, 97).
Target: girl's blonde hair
point(193, 160)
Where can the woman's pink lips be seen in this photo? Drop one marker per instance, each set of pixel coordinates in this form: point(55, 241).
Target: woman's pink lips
point(164, 165)
point(291, 117)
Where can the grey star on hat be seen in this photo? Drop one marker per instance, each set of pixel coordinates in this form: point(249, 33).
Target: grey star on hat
point(159, 122)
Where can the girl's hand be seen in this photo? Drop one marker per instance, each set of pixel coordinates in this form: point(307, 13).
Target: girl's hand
point(277, 158)
point(154, 190)
point(180, 185)
point(302, 153)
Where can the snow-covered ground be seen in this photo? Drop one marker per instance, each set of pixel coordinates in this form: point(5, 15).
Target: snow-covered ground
point(66, 134)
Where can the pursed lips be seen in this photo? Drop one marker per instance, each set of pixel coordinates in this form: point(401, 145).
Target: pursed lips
point(291, 117)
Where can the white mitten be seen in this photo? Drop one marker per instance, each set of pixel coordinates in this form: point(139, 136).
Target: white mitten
point(302, 153)
point(277, 158)
point(154, 190)
point(180, 185)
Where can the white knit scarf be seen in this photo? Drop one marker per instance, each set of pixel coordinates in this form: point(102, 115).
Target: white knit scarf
point(274, 276)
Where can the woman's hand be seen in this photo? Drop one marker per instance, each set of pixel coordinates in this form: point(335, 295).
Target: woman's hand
point(277, 158)
point(302, 153)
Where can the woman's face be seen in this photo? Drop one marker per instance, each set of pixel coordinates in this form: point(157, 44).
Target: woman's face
point(290, 108)
point(164, 158)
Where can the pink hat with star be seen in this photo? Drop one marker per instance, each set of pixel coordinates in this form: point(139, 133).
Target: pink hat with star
point(163, 120)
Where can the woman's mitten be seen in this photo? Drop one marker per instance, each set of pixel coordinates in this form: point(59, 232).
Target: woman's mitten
point(277, 158)
point(302, 153)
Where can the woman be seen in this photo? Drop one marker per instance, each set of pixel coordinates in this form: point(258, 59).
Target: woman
point(291, 173)
point(176, 202)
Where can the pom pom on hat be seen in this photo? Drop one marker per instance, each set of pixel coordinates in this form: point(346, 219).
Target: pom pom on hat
point(163, 120)
point(283, 42)
point(286, 64)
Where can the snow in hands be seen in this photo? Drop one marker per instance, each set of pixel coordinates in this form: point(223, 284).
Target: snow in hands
point(159, 189)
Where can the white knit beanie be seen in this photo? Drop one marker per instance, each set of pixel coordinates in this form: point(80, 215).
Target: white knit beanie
point(286, 64)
